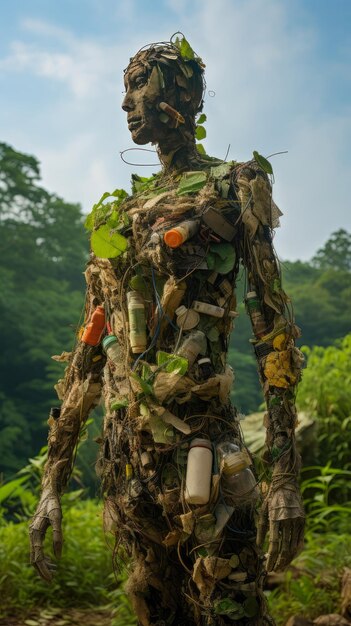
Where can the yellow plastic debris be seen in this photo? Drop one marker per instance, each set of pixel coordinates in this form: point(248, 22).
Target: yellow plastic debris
point(278, 369)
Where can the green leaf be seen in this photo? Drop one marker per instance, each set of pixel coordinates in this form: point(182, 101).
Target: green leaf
point(202, 118)
point(221, 258)
point(219, 171)
point(118, 403)
point(200, 132)
point(146, 387)
point(191, 182)
point(89, 222)
point(227, 606)
point(100, 209)
point(120, 194)
point(185, 49)
point(10, 488)
point(263, 163)
point(106, 244)
point(200, 148)
point(142, 183)
point(172, 363)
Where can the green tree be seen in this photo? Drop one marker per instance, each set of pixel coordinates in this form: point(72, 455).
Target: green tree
point(336, 253)
point(43, 249)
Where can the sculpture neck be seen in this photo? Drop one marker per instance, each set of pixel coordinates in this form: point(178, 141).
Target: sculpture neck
point(177, 152)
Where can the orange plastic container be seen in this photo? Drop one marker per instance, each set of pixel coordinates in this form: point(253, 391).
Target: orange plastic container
point(176, 236)
point(94, 329)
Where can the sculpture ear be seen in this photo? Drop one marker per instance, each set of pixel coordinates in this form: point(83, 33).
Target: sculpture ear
point(172, 113)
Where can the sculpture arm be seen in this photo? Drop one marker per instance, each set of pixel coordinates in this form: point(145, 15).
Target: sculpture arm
point(79, 391)
point(279, 365)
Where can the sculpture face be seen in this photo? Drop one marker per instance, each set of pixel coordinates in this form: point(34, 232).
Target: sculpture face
point(140, 103)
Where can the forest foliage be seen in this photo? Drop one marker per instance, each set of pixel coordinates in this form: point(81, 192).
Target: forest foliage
point(43, 251)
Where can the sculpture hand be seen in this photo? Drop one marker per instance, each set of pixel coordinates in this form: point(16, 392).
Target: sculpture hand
point(48, 513)
point(282, 514)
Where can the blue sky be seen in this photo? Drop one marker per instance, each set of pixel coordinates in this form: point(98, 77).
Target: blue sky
point(280, 70)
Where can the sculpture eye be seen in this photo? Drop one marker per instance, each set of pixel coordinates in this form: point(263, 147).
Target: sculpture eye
point(140, 81)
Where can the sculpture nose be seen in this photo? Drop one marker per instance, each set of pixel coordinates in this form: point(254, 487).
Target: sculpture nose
point(128, 103)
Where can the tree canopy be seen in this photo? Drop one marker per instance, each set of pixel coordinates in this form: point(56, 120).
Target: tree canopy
point(42, 254)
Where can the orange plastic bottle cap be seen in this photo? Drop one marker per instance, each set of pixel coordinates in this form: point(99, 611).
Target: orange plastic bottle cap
point(173, 238)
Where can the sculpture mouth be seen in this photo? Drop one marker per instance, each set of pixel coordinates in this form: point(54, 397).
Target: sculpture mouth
point(134, 122)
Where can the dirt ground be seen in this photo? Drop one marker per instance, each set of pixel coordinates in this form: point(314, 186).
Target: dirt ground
point(61, 617)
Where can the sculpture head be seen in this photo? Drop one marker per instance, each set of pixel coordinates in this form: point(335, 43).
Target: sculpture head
point(162, 81)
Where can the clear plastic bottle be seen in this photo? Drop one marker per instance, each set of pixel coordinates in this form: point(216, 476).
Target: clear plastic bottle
point(238, 481)
point(137, 322)
point(111, 347)
point(199, 472)
point(193, 345)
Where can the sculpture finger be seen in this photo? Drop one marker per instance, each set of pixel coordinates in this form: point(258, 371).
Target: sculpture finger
point(55, 516)
point(297, 539)
point(37, 530)
point(262, 526)
point(273, 549)
point(285, 554)
point(44, 569)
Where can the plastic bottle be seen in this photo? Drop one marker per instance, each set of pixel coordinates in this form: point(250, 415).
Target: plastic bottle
point(199, 472)
point(137, 322)
point(111, 347)
point(94, 329)
point(238, 481)
point(186, 318)
point(193, 345)
point(255, 312)
point(208, 309)
point(205, 368)
point(176, 236)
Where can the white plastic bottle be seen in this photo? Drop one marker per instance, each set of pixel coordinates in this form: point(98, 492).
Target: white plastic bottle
point(199, 472)
point(239, 484)
point(208, 309)
point(194, 344)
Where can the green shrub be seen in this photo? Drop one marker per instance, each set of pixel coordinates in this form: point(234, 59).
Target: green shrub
point(325, 391)
point(312, 585)
point(84, 574)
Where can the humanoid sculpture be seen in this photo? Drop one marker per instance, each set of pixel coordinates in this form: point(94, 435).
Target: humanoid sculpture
point(179, 485)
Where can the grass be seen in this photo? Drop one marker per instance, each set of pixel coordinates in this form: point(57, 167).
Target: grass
point(316, 590)
point(84, 575)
